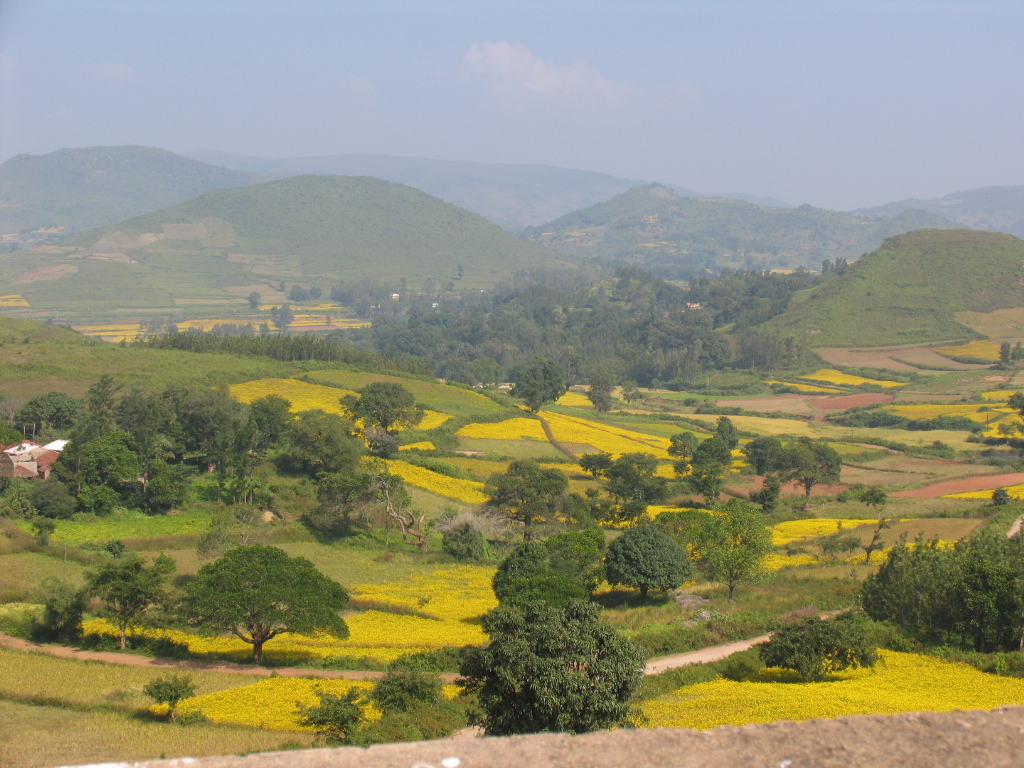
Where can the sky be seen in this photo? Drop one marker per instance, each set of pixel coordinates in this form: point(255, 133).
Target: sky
point(836, 104)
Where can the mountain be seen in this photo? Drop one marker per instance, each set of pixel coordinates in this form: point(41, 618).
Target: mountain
point(512, 196)
point(313, 230)
point(910, 290)
point(43, 197)
point(675, 236)
point(1000, 209)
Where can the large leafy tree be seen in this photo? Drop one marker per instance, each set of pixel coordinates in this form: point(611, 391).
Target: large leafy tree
point(540, 383)
point(633, 484)
point(257, 592)
point(763, 452)
point(809, 463)
point(526, 490)
point(388, 406)
point(127, 586)
point(54, 409)
point(552, 668)
point(813, 648)
point(321, 442)
point(647, 558)
point(730, 546)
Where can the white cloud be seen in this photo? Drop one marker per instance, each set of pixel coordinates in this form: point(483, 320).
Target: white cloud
point(513, 71)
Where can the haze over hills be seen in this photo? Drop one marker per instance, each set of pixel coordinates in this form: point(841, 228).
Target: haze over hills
point(43, 197)
point(910, 290)
point(995, 208)
point(675, 236)
point(512, 196)
point(312, 230)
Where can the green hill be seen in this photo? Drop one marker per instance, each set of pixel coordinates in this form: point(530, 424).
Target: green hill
point(675, 236)
point(311, 230)
point(909, 290)
point(43, 197)
point(15, 331)
point(999, 209)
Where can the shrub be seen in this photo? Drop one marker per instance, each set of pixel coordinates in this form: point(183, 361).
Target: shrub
point(170, 690)
point(63, 606)
point(814, 648)
point(647, 557)
point(464, 542)
point(336, 719)
point(400, 690)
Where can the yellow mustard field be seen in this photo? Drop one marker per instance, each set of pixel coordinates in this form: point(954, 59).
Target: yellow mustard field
point(832, 376)
point(931, 410)
point(999, 395)
point(422, 445)
point(457, 593)
point(900, 682)
point(469, 491)
point(613, 440)
point(981, 349)
point(574, 399)
point(519, 428)
point(1016, 491)
point(13, 300)
point(809, 388)
point(795, 530)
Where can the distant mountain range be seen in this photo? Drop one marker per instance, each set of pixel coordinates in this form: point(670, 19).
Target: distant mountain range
point(43, 197)
point(313, 230)
point(675, 236)
point(1000, 209)
point(910, 290)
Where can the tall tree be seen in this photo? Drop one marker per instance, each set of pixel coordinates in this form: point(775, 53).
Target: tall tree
point(633, 484)
point(526, 490)
point(540, 383)
point(646, 558)
point(600, 390)
point(550, 668)
point(810, 463)
point(386, 405)
point(726, 432)
point(127, 587)
point(257, 592)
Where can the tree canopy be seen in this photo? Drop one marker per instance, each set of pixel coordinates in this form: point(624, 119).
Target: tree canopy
point(646, 557)
point(526, 490)
point(257, 592)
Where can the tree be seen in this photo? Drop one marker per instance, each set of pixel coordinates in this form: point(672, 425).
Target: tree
point(706, 478)
point(810, 463)
point(51, 499)
point(814, 648)
point(271, 414)
point(763, 452)
point(257, 592)
point(726, 432)
point(550, 668)
point(170, 690)
point(298, 293)
point(1000, 497)
point(630, 393)
point(729, 547)
point(320, 442)
point(63, 606)
point(233, 526)
point(768, 496)
point(540, 383)
point(877, 498)
point(645, 557)
point(282, 317)
point(385, 405)
point(54, 409)
point(128, 587)
point(838, 543)
point(633, 484)
point(600, 390)
point(254, 300)
point(336, 719)
point(595, 464)
point(524, 491)
point(683, 445)
point(464, 542)
point(341, 495)
point(400, 690)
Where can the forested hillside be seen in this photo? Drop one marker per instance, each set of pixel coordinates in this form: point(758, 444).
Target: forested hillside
point(676, 236)
point(996, 208)
point(43, 197)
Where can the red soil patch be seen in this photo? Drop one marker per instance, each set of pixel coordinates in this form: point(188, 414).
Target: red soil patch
point(984, 483)
point(750, 483)
point(997, 378)
point(851, 401)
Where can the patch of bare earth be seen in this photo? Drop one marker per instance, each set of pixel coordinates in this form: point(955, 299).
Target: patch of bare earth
point(54, 272)
point(798, 405)
point(851, 401)
point(984, 483)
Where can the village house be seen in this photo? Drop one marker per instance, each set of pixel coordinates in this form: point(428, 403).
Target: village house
point(29, 460)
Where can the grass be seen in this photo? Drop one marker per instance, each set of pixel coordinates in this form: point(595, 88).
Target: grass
point(32, 735)
point(22, 572)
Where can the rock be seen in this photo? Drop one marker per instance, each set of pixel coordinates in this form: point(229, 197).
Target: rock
point(702, 616)
point(689, 602)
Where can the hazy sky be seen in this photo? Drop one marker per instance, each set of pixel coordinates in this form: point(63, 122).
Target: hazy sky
point(838, 104)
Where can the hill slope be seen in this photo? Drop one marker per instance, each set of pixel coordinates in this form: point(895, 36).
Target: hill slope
point(909, 290)
point(75, 189)
point(512, 196)
point(675, 236)
point(995, 208)
point(313, 230)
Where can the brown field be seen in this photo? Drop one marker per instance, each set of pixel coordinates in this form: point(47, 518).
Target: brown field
point(983, 483)
point(851, 401)
point(1001, 323)
point(800, 405)
point(55, 272)
point(893, 358)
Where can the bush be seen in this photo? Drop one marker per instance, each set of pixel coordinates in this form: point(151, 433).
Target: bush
point(336, 719)
point(647, 557)
point(170, 690)
point(1000, 497)
point(464, 542)
point(63, 606)
point(400, 690)
point(814, 648)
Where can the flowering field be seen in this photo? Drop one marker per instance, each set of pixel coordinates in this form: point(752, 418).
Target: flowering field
point(269, 703)
point(795, 530)
point(999, 395)
point(519, 428)
point(13, 300)
point(613, 440)
point(809, 388)
point(931, 410)
point(422, 445)
point(981, 349)
point(468, 491)
point(574, 399)
point(1016, 491)
point(901, 682)
point(450, 594)
point(305, 397)
point(109, 331)
point(832, 376)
